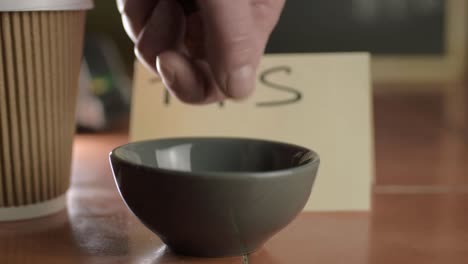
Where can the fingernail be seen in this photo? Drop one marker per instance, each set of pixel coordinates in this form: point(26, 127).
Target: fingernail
point(127, 25)
point(166, 73)
point(142, 60)
point(121, 5)
point(239, 82)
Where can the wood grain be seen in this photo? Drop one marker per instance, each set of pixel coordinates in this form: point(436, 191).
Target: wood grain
point(406, 225)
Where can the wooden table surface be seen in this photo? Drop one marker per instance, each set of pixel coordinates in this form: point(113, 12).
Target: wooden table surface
point(420, 218)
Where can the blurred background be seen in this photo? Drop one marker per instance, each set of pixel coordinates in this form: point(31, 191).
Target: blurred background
point(418, 67)
point(418, 49)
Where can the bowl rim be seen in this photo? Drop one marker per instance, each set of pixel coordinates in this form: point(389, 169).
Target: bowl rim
point(312, 163)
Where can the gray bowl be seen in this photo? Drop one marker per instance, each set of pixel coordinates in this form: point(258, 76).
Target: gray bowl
point(214, 197)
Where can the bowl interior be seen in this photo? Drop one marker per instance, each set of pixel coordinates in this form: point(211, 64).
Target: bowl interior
point(215, 155)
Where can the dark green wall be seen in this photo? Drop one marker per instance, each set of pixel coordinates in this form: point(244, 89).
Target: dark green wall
point(380, 26)
point(324, 26)
point(105, 19)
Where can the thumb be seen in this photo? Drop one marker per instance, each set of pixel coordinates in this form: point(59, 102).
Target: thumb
point(231, 48)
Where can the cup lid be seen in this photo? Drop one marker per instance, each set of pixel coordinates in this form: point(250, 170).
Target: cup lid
point(44, 5)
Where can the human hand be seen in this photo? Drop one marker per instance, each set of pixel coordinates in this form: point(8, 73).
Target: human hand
point(207, 55)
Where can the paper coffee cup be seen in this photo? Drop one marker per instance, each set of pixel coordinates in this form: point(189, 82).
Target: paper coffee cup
point(40, 55)
point(44, 5)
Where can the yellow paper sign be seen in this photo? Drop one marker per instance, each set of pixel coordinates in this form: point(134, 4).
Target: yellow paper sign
point(320, 101)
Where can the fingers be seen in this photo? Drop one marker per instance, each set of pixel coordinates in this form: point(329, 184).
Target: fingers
point(224, 41)
point(266, 14)
point(194, 36)
point(231, 48)
point(135, 13)
point(163, 31)
point(190, 81)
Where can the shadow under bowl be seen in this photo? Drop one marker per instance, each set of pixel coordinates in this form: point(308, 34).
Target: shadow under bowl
point(214, 197)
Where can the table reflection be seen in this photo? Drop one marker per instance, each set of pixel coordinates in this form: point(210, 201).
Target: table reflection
point(421, 228)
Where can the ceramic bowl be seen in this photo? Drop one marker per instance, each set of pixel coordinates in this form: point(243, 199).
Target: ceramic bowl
point(214, 197)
